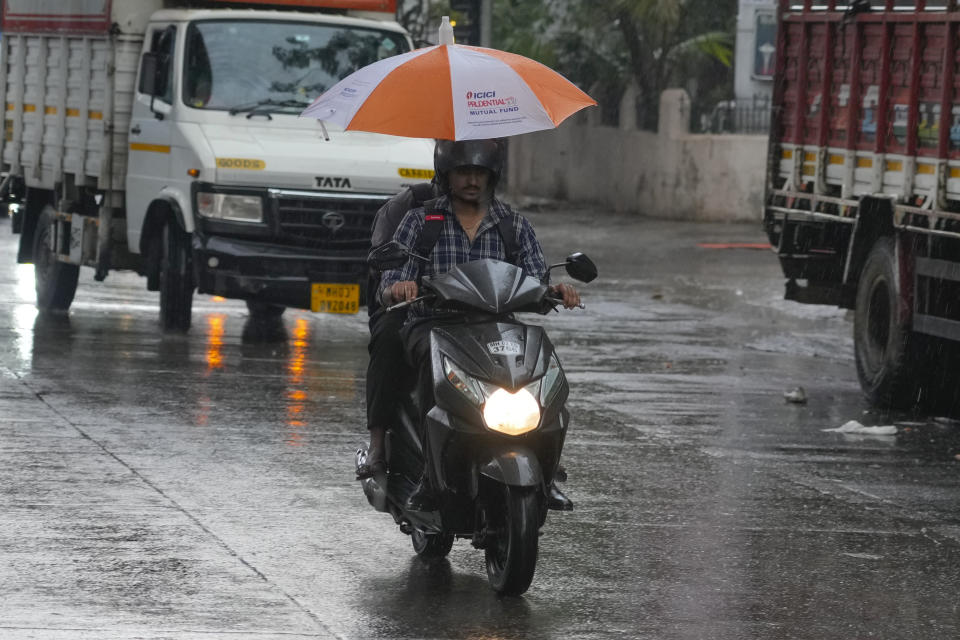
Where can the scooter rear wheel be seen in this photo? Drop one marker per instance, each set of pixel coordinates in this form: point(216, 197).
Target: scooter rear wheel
point(431, 545)
point(511, 553)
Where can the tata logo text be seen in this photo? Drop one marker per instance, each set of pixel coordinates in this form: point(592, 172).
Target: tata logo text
point(477, 95)
point(333, 182)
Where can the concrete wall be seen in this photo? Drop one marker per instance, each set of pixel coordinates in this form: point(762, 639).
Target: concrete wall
point(669, 174)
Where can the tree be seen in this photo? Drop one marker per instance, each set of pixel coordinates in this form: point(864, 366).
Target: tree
point(422, 18)
point(415, 16)
point(603, 44)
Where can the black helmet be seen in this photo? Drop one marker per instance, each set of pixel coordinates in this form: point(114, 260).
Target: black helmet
point(449, 155)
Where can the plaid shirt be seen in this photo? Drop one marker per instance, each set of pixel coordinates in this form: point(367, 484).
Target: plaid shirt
point(453, 247)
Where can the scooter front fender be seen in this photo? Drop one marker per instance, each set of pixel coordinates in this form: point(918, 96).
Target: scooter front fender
point(517, 467)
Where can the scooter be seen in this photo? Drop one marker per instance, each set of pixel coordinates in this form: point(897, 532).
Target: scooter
point(497, 424)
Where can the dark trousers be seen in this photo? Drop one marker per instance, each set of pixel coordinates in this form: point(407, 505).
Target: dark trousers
point(388, 374)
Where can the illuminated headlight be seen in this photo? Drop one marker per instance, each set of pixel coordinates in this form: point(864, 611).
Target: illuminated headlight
point(511, 413)
point(226, 206)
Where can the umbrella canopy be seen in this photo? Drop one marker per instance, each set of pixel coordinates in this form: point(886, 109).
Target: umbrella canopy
point(454, 92)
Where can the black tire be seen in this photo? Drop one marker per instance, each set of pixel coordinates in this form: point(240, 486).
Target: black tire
point(56, 281)
point(176, 278)
point(511, 551)
point(431, 546)
point(264, 311)
point(35, 201)
point(888, 354)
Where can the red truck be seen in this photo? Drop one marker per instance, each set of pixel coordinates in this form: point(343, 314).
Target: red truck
point(863, 184)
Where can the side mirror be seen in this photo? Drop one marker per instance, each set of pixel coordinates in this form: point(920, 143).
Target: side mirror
point(580, 267)
point(149, 74)
point(388, 256)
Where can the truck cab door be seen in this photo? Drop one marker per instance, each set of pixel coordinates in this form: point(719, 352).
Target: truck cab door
point(151, 128)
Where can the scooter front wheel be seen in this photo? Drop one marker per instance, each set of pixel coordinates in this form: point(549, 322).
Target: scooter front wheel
point(431, 545)
point(512, 550)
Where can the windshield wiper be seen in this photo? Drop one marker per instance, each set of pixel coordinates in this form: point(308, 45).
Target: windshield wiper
point(267, 105)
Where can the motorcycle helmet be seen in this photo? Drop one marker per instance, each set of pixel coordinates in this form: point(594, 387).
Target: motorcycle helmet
point(449, 154)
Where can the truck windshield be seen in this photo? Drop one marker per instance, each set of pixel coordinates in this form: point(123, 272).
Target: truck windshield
point(244, 62)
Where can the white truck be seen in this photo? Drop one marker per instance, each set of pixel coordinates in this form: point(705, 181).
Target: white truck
point(165, 138)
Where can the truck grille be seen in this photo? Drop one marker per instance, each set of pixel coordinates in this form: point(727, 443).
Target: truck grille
point(321, 220)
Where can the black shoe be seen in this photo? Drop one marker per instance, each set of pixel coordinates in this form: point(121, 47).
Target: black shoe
point(422, 499)
point(556, 500)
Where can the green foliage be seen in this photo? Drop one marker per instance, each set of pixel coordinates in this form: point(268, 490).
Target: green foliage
point(521, 27)
point(422, 18)
point(604, 44)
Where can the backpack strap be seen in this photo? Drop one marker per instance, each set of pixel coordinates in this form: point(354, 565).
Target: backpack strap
point(433, 219)
point(508, 226)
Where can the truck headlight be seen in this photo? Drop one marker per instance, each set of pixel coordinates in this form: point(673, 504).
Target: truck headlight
point(229, 206)
point(511, 413)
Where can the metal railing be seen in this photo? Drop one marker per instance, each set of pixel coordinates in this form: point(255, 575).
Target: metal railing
point(751, 117)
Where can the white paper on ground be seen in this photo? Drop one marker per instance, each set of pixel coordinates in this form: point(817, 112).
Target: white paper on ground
point(855, 427)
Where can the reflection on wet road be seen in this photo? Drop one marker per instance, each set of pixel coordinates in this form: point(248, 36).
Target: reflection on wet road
point(169, 486)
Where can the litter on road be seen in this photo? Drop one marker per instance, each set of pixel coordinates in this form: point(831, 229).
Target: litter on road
point(796, 396)
point(855, 427)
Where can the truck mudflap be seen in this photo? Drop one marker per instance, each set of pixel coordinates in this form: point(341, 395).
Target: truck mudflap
point(236, 268)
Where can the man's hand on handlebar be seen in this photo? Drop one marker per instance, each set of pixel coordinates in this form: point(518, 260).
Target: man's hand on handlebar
point(403, 291)
point(565, 291)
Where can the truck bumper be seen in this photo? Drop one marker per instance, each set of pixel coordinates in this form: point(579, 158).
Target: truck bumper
point(248, 269)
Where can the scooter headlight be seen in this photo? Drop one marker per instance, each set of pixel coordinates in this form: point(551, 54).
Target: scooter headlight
point(465, 384)
point(551, 382)
point(511, 413)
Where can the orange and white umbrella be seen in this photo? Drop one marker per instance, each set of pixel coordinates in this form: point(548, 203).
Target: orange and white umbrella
point(449, 91)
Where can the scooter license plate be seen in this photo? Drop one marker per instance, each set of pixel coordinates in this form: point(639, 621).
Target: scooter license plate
point(334, 297)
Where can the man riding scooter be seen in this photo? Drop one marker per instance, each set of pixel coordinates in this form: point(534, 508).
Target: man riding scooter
point(466, 223)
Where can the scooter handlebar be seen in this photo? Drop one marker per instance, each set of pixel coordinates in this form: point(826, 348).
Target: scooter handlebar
point(407, 303)
point(558, 302)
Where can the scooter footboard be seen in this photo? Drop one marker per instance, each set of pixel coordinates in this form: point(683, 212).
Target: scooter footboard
point(518, 467)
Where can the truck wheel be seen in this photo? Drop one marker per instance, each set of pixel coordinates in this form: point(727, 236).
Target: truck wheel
point(56, 281)
point(887, 352)
point(264, 311)
point(35, 201)
point(176, 278)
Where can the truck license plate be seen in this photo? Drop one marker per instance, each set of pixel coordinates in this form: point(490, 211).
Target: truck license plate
point(334, 297)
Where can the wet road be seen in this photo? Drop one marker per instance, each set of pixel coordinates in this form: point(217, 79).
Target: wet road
point(200, 486)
